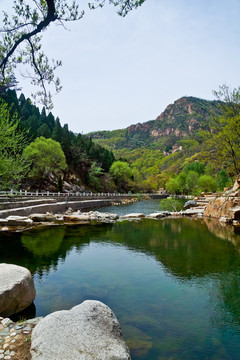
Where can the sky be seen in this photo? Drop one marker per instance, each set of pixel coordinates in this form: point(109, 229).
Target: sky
point(120, 71)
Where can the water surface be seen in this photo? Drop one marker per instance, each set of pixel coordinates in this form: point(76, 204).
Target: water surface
point(174, 284)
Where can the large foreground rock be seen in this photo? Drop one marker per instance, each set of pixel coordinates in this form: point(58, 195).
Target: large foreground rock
point(89, 331)
point(17, 289)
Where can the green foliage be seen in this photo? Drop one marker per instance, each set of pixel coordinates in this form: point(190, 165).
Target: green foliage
point(59, 183)
point(121, 173)
point(223, 137)
point(80, 151)
point(173, 186)
point(207, 183)
point(171, 204)
point(95, 172)
point(196, 166)
point(13, 166)
point(223, 180)
point(191, 182)
point(45, 157)
point(188, 143)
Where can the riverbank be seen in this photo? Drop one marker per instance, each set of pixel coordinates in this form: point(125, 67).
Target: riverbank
point(71, 217)
point(15, 338)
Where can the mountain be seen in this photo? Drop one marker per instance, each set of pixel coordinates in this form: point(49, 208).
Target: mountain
point(180, 120)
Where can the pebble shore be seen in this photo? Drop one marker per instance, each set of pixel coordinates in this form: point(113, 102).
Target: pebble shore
point(10, 332)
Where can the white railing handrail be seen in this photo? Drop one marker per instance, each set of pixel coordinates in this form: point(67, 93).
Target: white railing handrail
point(80, 194)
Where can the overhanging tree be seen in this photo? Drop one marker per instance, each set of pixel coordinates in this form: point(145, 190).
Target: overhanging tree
point(21, 40)
point(223, 139)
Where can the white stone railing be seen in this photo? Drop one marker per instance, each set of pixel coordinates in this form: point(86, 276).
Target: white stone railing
point(65, 194)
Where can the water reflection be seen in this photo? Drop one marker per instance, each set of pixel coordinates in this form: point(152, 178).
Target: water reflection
point(174, 284)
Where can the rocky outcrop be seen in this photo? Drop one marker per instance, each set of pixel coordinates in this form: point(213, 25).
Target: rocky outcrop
point(42, 217)
point(219, 207)
point(17, 289)
point(133, 216)
point(89, 331)
point(18, 221)
point(226, 207)
point(168, 131)
point(159, 215)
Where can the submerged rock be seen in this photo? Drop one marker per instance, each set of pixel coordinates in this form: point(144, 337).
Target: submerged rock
point(133, 216)
point(89, 331)
point(96, 215)
point(76, 218)
point(18, 221)
point(42, 217)
point(159, 215)
point(17, 290)
point(192, 211)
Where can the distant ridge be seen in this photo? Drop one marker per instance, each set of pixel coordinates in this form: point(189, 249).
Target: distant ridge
point(179, 120)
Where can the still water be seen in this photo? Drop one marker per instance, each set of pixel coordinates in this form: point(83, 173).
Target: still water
point(174, 284)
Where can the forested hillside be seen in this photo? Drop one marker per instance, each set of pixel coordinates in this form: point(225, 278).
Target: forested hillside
point(192, 146)
point(179, 121)
point(185, 132)
point(87, 163)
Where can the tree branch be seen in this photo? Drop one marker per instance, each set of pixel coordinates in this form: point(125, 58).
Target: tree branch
point(51, 16)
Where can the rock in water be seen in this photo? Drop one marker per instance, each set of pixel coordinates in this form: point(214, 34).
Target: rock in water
point(17, 289)
point(189, 204)
point(89, 331)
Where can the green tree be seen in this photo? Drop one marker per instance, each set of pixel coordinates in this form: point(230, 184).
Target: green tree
point(13, 167)
point(173, 186)
point(59, 183)
point(57, 131)
point(121, 173)
point(21, 40)
point(45, 157)
point(44, 131)
point(191, 182)
point(95, 172)
point(223, 180)
point(223, 137)
point(171, 204)
point(195, 166)
point(207, 183)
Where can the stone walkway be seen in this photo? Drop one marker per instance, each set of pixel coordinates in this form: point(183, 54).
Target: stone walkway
point(11, 332)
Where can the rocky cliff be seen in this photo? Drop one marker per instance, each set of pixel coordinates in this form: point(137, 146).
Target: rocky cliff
point(180, 120)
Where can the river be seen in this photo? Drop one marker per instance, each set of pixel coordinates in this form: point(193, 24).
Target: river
point(174, 284)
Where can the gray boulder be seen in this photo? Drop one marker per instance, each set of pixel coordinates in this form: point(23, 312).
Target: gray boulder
point(17, 289)
point(189, 204)
point(96, 215)
point(89, 331)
